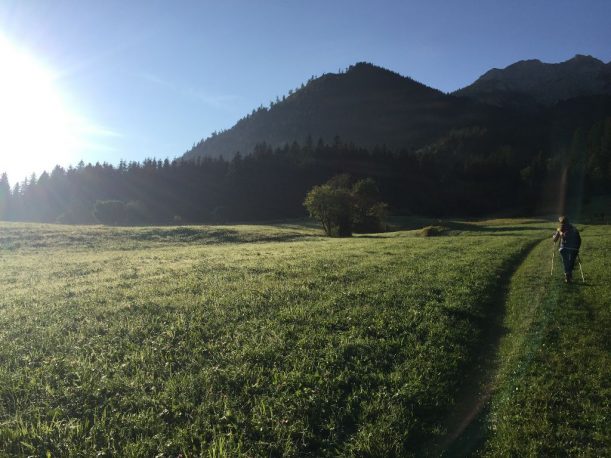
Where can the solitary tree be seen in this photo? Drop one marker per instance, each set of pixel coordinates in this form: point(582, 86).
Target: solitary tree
point(332, 207)
point(341, 208)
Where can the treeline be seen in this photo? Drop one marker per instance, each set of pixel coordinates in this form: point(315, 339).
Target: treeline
point(469, 172)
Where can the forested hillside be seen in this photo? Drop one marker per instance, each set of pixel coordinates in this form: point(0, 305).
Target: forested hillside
point(470, 171)
point(429, 153)
point(367, 105)
point(531, 82)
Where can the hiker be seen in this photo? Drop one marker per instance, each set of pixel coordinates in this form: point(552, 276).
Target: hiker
point(570, 241)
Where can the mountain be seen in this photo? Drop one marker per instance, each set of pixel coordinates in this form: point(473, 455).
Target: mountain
point(366, 105)
point(532, 82)
point(460, 156)
point(370, 106)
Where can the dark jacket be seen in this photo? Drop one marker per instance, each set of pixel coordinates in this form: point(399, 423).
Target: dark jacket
point(569, 237)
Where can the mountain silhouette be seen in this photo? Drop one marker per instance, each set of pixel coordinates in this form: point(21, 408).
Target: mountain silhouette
point(370, 106)
point(532, 82)
point(366, 105)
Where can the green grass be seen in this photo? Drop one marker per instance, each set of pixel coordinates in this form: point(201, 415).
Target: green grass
point(250, 340)
point(554, 386)
point(32, 237)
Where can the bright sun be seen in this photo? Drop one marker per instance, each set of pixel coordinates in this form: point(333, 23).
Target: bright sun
point(36, 129)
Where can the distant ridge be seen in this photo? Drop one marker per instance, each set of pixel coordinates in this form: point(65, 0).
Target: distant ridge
point(366, 105)
point(371, 106)
point(534, 82)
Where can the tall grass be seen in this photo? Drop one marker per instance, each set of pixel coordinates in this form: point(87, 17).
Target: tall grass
point(263, 341)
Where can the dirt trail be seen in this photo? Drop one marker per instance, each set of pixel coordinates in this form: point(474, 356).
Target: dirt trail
point(466, 425)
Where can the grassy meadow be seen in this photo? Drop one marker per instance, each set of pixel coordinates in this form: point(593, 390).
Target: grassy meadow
point(274, 341)
point(554, 384)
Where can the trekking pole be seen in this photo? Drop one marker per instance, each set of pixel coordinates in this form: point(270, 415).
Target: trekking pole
point(580, 269)
point(553, 254)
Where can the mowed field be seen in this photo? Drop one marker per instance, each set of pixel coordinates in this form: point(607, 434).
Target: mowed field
point(552, 394)
point(274, 341)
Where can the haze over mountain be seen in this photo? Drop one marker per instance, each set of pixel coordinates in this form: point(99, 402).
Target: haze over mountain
point(371, 106)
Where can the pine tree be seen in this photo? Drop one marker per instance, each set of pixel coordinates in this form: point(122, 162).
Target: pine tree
point(5, 196)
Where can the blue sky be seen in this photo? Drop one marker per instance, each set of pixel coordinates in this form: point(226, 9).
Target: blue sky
point(150, 78)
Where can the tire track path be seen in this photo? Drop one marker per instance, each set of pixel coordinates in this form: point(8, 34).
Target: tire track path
point(466, 425)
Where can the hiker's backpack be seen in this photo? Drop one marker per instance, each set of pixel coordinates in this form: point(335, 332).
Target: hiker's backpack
point(571, 238)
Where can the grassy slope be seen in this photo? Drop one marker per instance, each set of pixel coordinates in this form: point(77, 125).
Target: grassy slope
point(183, 340)
point(554, 385)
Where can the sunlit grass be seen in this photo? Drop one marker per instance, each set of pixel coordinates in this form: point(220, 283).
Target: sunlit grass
point(259, 340)
point(553, 387)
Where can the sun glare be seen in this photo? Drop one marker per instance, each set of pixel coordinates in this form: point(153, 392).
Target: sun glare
point(36, 129)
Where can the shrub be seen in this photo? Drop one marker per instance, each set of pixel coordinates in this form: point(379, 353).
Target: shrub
point(432, 231)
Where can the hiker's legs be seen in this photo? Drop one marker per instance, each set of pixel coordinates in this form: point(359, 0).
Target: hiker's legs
point(568, 262)
point(572, 260)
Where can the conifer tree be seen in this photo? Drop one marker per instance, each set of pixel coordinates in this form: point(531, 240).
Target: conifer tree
point(5, 196)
